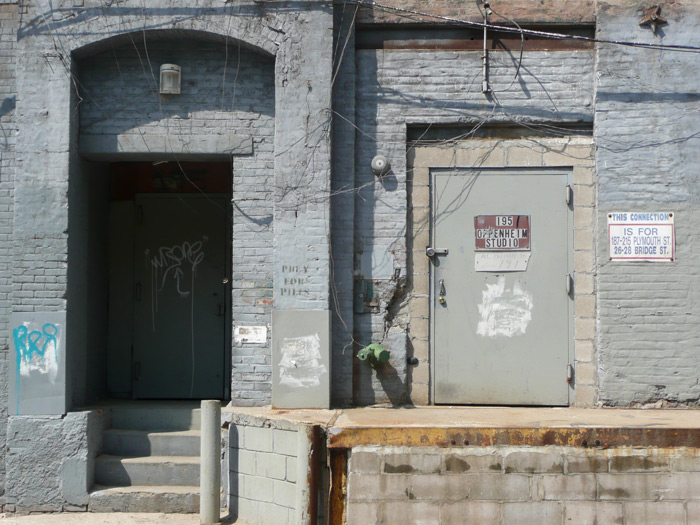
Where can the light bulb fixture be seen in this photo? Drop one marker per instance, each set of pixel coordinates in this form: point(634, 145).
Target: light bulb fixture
point(170, 77)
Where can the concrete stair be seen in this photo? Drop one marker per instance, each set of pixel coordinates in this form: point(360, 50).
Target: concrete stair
point(150, 460)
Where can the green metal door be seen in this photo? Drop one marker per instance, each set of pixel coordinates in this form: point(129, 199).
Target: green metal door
point(501, 294)
point(180, 306)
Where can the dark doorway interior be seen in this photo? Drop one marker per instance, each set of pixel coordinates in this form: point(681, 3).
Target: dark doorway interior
point(169, 280)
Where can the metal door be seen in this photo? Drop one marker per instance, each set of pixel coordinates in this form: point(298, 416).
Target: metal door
point(180, 304)
point(501, 312)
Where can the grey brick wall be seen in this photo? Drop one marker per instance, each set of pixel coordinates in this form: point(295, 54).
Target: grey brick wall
point(280, 191)
point(548, 485)
point(343, 205)
point(226, 89)
point(8, 38)
point(395, 89)
point(647, 156)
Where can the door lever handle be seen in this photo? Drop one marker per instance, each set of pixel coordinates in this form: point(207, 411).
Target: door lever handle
point(432, 252)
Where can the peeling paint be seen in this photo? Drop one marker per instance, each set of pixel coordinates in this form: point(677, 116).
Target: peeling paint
point(300, 365)
point(504, 312)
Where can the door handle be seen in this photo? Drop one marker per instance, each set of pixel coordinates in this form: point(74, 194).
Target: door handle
point(432, 252)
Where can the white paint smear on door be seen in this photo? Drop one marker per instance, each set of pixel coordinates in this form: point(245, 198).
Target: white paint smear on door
point(300, 363)
point(504, 312)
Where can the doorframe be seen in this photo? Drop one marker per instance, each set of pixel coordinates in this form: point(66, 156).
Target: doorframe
point(228, 297)
point(571, 153)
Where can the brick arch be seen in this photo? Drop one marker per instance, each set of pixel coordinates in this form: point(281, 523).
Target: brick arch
point(86, 49)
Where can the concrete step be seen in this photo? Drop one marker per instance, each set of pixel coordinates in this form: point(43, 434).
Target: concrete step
point(184, 499)
point(119, 442)
point(156, 418)
point(119, 471)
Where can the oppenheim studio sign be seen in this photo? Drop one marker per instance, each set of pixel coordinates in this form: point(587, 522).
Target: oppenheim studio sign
point(502, 232)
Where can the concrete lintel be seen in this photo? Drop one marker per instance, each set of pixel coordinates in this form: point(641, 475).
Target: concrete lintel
point(524, 11)
point(103, 147)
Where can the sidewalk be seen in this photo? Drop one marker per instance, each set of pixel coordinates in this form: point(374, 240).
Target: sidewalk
point(95, 518)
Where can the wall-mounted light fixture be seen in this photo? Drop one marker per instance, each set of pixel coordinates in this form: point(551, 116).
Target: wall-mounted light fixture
point(170, 77)
point(380, 165)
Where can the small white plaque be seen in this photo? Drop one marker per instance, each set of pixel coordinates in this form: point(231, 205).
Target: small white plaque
point(501, 261)
point(250, 334)
point(641, 236)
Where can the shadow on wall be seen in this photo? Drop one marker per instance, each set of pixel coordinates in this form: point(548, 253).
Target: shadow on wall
point(119, 87)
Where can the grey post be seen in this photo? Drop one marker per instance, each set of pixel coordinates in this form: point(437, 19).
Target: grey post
point(210, 476)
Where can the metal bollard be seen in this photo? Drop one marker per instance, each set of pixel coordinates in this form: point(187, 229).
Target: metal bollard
point(210, 473)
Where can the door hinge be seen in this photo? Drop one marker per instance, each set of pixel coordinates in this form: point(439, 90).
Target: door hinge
point(139, 214)
point(569, 194)
point(137, 370)
point(569, 284)
point(569, 374)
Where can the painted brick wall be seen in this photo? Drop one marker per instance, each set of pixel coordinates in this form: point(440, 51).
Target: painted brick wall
point(8, 37)
point(399, 88)
point(647, 155)
point(343, 206)
point(546, 485)
point(226, 89)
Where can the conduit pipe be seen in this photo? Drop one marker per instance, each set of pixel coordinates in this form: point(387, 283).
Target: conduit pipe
point(485, 57)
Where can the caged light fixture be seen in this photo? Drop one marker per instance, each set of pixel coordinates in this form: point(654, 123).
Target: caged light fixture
point(170, 77)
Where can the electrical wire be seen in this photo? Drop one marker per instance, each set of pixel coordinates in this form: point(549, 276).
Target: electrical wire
point(532, 32)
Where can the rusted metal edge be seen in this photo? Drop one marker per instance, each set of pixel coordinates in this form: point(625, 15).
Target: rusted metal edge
point(314, 472)
point(345, 438)
point(338, 492)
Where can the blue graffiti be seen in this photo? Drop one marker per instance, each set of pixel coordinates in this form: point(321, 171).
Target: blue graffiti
point(28, 344)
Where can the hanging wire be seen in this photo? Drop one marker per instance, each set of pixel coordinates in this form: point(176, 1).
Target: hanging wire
point(532, 32)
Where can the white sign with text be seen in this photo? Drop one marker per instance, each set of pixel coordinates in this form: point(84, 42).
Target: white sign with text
point(641, 236)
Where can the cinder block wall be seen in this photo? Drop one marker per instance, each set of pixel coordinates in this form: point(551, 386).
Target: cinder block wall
point(262, 472)
point(505, 485)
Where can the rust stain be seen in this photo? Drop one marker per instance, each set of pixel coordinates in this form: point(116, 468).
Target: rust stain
point(459, 437)
point(338, 491)
point(313, 474)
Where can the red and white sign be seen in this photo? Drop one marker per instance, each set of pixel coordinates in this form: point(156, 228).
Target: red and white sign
point(502, 232)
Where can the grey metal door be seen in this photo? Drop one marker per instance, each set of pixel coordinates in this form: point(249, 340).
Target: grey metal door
point(180, 304)
point(501, 296)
